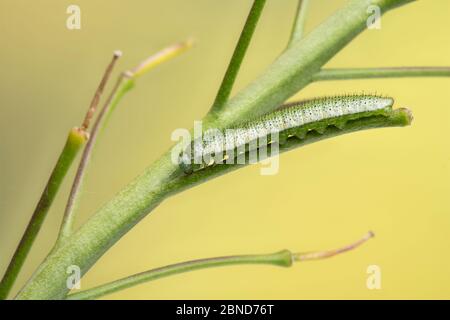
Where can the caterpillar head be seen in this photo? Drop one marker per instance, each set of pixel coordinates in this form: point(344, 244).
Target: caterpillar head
point(185, 162)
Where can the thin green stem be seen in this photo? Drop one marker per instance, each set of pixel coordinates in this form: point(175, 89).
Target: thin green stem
point(161, 56)
point(295, 67)
point(372, 73)
point(298, 28)
point(124, 83)
point(67, 224)
point(152, 193)
point(292, 71)
point(238, 55)
point(96, 99)
point(282, 258)
point(319, 255)
point(75, 141)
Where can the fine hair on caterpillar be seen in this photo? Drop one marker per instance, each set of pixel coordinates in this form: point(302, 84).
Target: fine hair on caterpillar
point(229, 146)
point(251, 141)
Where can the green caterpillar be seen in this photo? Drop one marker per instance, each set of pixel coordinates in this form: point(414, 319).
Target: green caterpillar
point(292, 121)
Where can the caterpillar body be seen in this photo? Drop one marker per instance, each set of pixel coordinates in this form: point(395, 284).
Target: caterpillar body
point(294, 120)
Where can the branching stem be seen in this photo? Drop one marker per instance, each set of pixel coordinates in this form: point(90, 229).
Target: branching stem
point(298, 28)
point(292, 71)
point(74, 143)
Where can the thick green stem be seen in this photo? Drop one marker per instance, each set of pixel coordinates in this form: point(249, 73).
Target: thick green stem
point(371, 73)
point(298, 28)
point(238, 55)
point(292, 71)
point(86, 245)
point(75, 141)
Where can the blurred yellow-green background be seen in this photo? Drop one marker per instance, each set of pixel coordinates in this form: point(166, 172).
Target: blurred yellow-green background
point(393, 181)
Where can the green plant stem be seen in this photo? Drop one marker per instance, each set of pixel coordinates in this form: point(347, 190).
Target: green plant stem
point(238, 55)
point(282, 258)
point(398, 118)
point(124, 83)
point(298, 28)
point(96, 99)
point(371, 73)
point(292, 71)
point(111, 214)
point(75, 141)
point(295, 67)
